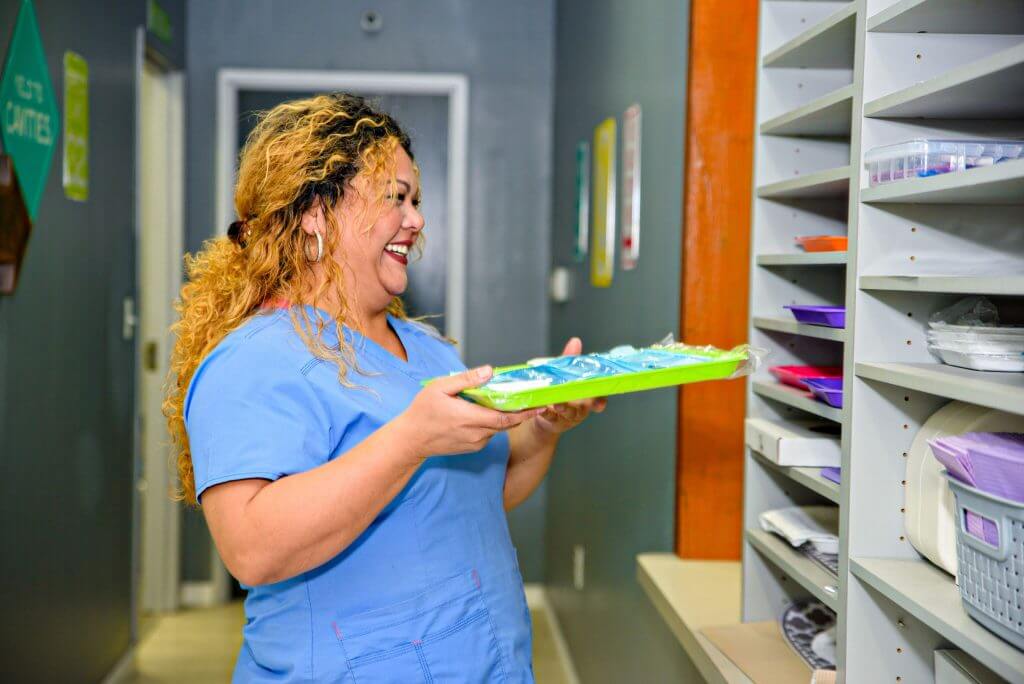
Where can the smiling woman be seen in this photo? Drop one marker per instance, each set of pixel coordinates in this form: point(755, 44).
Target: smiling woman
point(364, 512)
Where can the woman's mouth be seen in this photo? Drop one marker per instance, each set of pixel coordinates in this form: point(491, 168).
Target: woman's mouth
point(399, 251)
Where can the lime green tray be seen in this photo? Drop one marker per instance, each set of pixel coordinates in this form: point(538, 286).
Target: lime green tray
point(719, 366)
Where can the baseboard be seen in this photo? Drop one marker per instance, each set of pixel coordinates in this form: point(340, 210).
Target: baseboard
point(537, 600)
point(124, 671)
point(199, 595)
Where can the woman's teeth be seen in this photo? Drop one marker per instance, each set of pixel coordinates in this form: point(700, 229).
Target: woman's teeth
point(401, 250)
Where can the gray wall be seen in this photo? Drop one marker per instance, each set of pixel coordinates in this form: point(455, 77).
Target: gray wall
point(506, 49)
point(67, 377)
point(612, 488)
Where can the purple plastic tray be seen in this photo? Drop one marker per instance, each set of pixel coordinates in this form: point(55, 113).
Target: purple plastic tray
point(830, 316)
point(833, 474)
point(829, 390)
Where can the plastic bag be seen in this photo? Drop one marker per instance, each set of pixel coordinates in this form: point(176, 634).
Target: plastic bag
point(755, 356)
point(973, 311)
point(623, 360)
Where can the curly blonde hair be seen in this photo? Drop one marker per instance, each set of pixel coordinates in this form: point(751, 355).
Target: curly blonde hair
point(301, 154)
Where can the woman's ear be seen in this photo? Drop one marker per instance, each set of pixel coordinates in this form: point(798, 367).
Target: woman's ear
point(314, 221)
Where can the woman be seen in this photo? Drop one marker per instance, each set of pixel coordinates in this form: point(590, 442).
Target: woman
point(364, 512)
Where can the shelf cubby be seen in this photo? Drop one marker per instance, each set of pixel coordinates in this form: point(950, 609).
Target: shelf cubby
point(950, 16)
point(829, 183)
point(826, 45)
point(988, 88)
point(931, 596)
point(807, 477)
point(827, 116)
point(818, 581)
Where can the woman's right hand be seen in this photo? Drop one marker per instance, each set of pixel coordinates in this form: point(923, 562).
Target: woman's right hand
point(442, 423)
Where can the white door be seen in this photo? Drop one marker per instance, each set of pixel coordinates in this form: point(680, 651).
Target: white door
point(161, 244)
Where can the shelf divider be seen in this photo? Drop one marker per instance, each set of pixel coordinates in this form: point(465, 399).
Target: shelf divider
point(786, 325)
point(989, 285)
point(1001, 183)
point(798, 399)
point(803, 259)
point(830, 183)
point(1003, 391)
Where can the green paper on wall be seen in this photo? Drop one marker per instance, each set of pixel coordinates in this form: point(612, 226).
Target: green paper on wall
point(76, 127)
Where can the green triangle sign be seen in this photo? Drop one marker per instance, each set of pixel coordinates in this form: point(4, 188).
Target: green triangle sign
point(29, 119)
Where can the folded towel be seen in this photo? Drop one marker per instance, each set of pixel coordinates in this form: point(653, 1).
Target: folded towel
point(798, 525)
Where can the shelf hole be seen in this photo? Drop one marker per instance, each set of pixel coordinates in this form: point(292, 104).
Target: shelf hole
point(913, 229)
point(913, 258)
point(898, 678)
point(904, 454)
point(905, 426)
point(903, 483)
point(918, 55)
point(910, 314)
point(909, 343)
point(900, 623)
point(906, 398)
point(799, 86)
point(902, 538)
point(899, 650)
point(902, 509)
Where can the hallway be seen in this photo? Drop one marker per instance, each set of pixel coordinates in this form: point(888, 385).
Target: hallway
point(199, 646)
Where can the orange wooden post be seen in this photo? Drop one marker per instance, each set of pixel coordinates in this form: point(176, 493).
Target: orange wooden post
point(716, 248)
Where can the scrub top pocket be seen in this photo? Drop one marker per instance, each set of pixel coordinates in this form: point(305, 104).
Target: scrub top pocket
point(444, 634)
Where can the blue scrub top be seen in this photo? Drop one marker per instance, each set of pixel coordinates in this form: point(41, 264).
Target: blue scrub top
point(431, 591)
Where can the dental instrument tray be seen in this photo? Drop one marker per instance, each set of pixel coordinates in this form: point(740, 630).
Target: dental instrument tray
point(619, 371)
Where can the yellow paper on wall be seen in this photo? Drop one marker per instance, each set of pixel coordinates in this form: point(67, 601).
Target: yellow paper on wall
point(602, 252)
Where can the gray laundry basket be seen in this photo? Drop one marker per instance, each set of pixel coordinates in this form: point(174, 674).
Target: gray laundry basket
point(991, 577)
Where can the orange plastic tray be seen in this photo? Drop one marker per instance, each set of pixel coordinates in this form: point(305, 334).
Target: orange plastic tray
point(823, 243)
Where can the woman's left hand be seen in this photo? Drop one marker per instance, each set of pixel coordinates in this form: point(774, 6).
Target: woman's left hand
point(559, 418)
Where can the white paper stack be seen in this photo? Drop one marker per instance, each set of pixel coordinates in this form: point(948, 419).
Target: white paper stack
point(799, 525)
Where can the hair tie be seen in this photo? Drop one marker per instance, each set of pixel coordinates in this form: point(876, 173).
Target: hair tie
point(235, 233)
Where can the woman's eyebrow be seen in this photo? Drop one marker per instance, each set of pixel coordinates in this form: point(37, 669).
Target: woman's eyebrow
point(407, 185)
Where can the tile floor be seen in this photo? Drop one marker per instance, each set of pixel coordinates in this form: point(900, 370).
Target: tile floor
point(199, 647)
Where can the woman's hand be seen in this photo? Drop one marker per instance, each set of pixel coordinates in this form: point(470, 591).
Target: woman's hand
point(559, 418)
point(442, 423)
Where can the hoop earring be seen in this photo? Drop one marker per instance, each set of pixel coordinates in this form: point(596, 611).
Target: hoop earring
point(319, 249)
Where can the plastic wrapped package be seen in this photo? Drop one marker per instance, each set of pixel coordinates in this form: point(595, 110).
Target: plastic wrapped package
point(969, 334)
point(922, 157)
point(624, 369)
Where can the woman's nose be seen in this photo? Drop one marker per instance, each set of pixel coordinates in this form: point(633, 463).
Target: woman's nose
point(414, 220)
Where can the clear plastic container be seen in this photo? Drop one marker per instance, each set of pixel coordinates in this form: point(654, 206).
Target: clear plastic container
point(923, 157)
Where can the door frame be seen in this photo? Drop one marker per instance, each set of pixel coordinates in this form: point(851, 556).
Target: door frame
point(163, 587)
point(453, 86)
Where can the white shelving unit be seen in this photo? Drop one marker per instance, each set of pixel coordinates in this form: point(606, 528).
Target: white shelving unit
point(835, 80)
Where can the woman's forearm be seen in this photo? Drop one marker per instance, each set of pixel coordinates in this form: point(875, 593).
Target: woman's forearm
point(532, 450)
point(281, 529)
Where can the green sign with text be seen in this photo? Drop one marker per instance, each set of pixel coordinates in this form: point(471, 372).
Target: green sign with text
point(29, 120)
